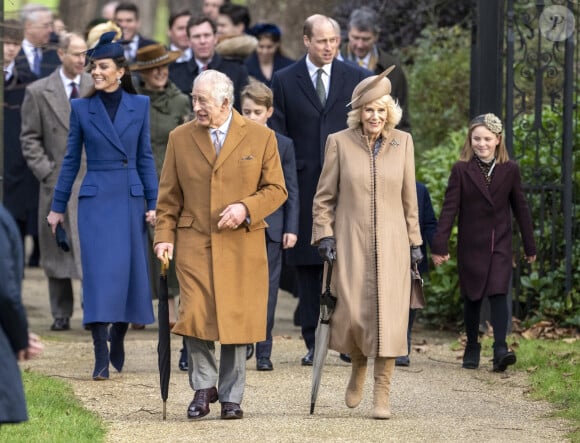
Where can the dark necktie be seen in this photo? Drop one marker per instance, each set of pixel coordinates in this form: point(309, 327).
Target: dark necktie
point(36, 61)
point(74, 92)
point(320, 89)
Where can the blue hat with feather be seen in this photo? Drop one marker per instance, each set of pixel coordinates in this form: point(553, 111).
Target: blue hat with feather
point(106, 48)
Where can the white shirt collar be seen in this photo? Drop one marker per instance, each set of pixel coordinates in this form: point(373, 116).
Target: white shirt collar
point(200, 64)
point(28, 49)
point(10, 69)
point(66, 81)
point(312, 68)
point(185, 54)
point(223, 129)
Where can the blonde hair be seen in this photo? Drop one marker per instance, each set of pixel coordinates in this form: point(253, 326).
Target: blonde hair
point(96, 31)
point(394, 114)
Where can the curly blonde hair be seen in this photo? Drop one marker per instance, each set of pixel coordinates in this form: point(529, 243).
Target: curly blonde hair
point(394, 114)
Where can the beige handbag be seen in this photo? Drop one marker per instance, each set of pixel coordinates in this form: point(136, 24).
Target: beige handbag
point(417, 296)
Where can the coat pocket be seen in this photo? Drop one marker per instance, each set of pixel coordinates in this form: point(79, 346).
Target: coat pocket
point(185, 221)
point(137, 191)
point(88, 191)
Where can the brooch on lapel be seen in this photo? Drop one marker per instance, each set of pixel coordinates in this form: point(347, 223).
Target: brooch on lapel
point(394, 143)
point(248, 157)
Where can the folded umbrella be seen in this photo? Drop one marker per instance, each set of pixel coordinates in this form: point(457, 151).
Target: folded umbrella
point(327, 304)
point(164, 343)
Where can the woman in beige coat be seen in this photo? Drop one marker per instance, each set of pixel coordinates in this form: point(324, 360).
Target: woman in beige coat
point(365, 214)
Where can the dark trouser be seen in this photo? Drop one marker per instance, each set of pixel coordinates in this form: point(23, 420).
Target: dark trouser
point(499, 318)
point(274, 249)
point(309, 287)
point(60, 292)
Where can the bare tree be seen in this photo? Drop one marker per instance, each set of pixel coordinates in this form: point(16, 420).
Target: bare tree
point(181, 5)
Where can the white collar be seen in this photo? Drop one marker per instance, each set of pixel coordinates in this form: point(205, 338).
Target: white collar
point(224, 128)
point(66, 81)
point(312, 68)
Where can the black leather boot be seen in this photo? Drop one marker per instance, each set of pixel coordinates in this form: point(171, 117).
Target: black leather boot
point(471, 356)
point(117, 338)
point(101, 349)
point(502, 357)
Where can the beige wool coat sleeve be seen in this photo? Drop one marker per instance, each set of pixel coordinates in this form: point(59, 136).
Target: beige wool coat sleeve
point(370, 206)
point(223, 274)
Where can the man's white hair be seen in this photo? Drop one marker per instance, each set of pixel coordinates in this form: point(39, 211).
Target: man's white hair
point(221, 86)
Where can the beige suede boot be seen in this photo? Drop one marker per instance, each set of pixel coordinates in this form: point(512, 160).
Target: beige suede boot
point(383, 372)
point(354, 390)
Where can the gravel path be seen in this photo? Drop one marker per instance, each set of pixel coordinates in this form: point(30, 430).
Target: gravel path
point(433, 400)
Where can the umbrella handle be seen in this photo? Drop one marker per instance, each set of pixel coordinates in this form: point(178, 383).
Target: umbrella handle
point(165, 264)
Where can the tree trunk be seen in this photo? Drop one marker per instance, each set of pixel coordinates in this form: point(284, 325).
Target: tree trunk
point(76, 14)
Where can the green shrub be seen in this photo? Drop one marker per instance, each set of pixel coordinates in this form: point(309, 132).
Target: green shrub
point(442, 289)
point(439, 85)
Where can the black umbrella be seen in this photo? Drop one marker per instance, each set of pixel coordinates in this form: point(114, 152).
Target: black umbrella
point(164, 344)
point(327, 304)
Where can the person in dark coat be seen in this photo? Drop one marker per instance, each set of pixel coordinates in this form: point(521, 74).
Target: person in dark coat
point(16, 344)
point(300, 114)
point(427, 224)
point(268, 57)
point(362, 48)
point(20, 187)
point(116, 201)
point(282, 230)
point(484, 188)
point(127, 18)
point(203, 39)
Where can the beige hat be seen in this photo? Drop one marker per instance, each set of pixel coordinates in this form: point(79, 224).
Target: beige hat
point(371, 89)
point(153, 56)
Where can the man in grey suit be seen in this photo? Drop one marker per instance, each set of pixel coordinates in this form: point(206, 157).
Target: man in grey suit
point(45, 125)
point(310, 98)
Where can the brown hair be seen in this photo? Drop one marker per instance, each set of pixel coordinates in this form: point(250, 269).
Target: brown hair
point(494, 125)
point(259, 93)
point(12, 30)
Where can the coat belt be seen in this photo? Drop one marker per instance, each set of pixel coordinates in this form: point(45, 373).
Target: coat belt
point(108, 165)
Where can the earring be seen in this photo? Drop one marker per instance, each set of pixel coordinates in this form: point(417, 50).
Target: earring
point(119, 80)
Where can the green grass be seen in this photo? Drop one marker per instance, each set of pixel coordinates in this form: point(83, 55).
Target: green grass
point(55, 415)
point(554, 372)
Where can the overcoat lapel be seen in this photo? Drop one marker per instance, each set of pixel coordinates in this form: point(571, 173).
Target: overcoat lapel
point(236, 134)
point(336, 84)
point(304, 83)
point(57, 100)
point(202, 140)
point(102, 123)
point(477, 177)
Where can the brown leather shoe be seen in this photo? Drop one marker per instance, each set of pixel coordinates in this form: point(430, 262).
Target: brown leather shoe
point(231, 411)
point(199, 407)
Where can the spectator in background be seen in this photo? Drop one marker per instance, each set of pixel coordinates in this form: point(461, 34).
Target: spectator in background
point(16, 343)
point(428, 225)
point(232, 24)
point(177, 34)
point(282, 230)
point(127, 17)
point(201, 31)
point(45, 129)
point(362, 48)
point(268, 57)
point(211, 8)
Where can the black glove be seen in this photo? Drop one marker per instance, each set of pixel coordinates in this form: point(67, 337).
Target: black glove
point(327, 249)
point(416, 255)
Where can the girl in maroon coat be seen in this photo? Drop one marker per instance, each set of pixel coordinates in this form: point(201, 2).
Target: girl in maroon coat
point(484, 188)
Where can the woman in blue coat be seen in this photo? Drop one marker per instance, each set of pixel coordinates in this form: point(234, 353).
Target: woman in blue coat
point(116, 200)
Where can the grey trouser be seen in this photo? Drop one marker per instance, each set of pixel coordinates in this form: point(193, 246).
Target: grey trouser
point(203, 368)
point(60, 292)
